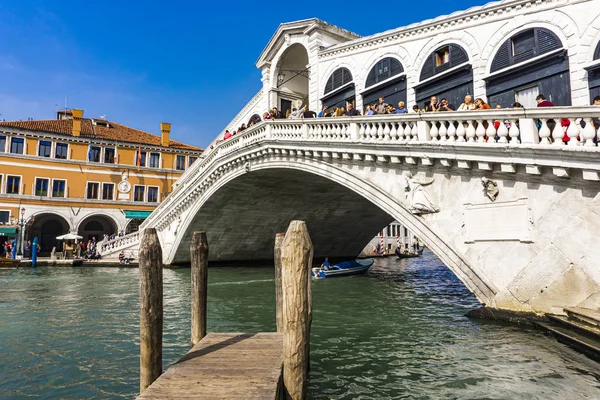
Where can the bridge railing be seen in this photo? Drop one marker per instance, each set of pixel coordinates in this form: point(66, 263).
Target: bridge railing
point(119, 243)
point(546, 127)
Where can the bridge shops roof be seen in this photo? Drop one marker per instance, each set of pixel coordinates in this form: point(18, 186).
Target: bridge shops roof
point(106, 130)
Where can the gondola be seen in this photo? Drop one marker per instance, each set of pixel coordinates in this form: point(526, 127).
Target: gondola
point(409, 255)
point(343, 269)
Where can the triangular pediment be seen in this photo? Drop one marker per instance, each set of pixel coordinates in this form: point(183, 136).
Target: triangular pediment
point(306, 27)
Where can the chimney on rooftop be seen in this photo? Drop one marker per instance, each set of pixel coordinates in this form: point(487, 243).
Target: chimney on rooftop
point(165, 130)
point(77, 116)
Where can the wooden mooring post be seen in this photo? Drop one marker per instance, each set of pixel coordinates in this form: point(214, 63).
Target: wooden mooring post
point(278, 285)
point(199, 259)
point(296, 261)
point(151, 308)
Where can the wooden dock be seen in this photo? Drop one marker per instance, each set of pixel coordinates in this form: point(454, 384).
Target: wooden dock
point(225, 366)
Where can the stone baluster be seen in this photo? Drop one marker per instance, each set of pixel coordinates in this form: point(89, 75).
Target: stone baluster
point(393, 132)
point(434, 131)
point(311, 132)
point(573, 131)
point(460, 132)
point(373, 131)
point(589, 133)
point(491, 131)
point(451, 131)
point(513, 132)
point(442, 132)
point(502, 133)
point(386, 131)
point(558, 133)
point(480, 131)
point(406, 131)
point(544, 131)
point(380, 131)
point(470, 131)
point(361, 132)
point(414, 132)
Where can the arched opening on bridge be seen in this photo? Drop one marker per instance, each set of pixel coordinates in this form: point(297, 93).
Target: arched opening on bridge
point(133, 225)
point(339, 89)
point(292, 77)
point(340, 221)
point(46, 227)
point(386, 79)
point(95, 226)
point(446, 73)
point(594, 75)
point(531, 62)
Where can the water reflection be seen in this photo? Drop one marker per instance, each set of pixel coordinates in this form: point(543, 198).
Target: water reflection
point(397, 333)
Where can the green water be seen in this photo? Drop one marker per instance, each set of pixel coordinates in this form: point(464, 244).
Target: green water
point(397, 333)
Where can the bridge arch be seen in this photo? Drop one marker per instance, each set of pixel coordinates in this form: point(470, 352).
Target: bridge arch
point(373, 200)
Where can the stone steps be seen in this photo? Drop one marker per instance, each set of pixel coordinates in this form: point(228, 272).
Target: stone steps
point(580, 329)
point(586, 315)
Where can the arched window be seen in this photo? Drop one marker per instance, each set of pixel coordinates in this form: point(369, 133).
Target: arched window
point(339, 78)
point(594, 76)
point(383, 70)
point(523, 46)
point(442, 59)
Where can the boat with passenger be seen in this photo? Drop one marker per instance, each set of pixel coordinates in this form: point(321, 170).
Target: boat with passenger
point(409, 254)
point(345, 268)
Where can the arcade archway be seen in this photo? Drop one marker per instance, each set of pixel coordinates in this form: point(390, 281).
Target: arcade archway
point(96, 226)
point(292, 79)
point(46, 227)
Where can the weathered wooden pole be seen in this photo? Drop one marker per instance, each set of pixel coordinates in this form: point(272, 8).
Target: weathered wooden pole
point(278, 285)
point(151, 308)
point(199, 257)
point(296, 260)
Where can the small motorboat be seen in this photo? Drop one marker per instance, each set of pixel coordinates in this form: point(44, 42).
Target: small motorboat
point(343, 269)
point(411, 254)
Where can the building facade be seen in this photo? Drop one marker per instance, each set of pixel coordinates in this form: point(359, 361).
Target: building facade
point(85, 176)
point(393, 236)
point(504, 52)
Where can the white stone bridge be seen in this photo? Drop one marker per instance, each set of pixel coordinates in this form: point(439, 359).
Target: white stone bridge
point(525, 241)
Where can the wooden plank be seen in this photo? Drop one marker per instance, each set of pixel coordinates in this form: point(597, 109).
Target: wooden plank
point(224, 366)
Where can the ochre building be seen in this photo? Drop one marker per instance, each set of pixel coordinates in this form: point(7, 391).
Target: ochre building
point(86, 176)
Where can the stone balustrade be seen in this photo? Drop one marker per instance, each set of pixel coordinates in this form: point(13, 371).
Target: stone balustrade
point(463, 138)
point(118, 244)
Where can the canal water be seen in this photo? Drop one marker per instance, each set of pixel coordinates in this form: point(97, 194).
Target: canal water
point(397, 333)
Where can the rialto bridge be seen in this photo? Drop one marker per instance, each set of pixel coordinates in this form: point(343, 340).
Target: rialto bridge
point(508, 207)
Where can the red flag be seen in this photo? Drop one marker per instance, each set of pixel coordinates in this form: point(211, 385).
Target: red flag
point(139, 158)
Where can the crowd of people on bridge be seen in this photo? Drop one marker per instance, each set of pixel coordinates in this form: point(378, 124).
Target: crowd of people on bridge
point(383, 108)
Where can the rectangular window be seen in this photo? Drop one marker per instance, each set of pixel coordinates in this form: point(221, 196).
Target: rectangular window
point(2, 144)
point(94, 154)
point(58, 188)
point(180, 164)
point(389, 233)
point(142, 161)
point(16, 145)
point(442, 56)
point(154, 160)
point(109, 155)
point(41, 186)
point(138, 193)
point(4, 217)
point(524, 42)
point(92, 190)
point(61, 151)
point(152, 194)
point(44, 148)
point(108, 191)
point(13, 184)
point(192, 160)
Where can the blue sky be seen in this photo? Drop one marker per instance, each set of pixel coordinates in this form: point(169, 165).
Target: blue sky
point(143, 62)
